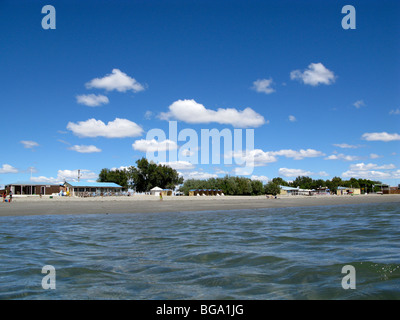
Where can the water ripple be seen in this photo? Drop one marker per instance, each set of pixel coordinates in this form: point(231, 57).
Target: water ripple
point(286, 253)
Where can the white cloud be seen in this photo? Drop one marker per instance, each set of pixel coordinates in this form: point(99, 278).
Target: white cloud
point(6, 168)
point(85, 149)
point(179, 165)
point(395, 112)
point(359, 103)
point(29, 144)
point(220, 171)
point(286, 172)
point(119, 128)
point(292, 118)
point(67, 175)
point(342, 156)
point(264, 179)
point(263, 85)
point(153, 145)
point(46, 180)
point(369, 166)
point(258, 157)
point(374, 156)
point(200, 175)
point(345, 146)
point(315, 75)
point(117, 80)
point(381, 136)
point(148, 115)
point(371, 174)
point(73, 175)
point(192, 112)
point(298, 155)
point(369, 171)
point(92, 100)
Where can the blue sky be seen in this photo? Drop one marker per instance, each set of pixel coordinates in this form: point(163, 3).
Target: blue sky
point(323, 101)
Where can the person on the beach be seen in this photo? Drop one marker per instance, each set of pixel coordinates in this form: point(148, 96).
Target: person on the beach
point(4, 196)
point(160, 196)
point(10, 195)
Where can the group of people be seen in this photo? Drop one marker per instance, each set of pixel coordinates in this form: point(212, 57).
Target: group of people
point(5, 196)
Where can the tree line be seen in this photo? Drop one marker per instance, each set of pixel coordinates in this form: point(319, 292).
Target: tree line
point(142, 177)
point(146, 175)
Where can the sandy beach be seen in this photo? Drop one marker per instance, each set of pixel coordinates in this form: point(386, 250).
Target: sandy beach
point(24, 206)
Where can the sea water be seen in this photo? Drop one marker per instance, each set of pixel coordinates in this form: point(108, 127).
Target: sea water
point(285, 253)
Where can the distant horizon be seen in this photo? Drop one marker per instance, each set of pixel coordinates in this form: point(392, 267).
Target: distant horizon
point(83, 89)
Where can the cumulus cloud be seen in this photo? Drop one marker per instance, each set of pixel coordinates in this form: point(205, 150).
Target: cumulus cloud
point(286, 172)
point(258, 157)
point(29, 144)
point(342, 156)
point(263, 179)
point(192, 112)
point(371, 166)
point(117, 80)
point(292, 118)
point(359, 103)
point(395, 112)
point(6, 168)
point(67, 175)
point(119, 128)
point(200, 175)
point(370, 171)
point(153, 145)
point(73, 175)
point(263, 85)
point(179, 165)
point(345, 146)
point(315, 75)
point(92, 100)
point(46, 180)
point(298, 155)
point(85, 149)
point(381, 136)
point(374, 156)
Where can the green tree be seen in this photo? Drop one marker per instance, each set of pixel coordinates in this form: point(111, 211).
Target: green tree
point(257, 187)
point(302, 182)
point(147, 175)
point(117, 176)
point(280, 182)
point(272, 188)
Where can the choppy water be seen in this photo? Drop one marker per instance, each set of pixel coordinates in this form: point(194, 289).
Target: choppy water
point(288, 253)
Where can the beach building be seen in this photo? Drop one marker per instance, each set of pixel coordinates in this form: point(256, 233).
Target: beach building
point(156, 191)
point(86, 189)
point(344, 190)
point(289, 191)
point(205, 192)
point(166, 192)
point(32, 188)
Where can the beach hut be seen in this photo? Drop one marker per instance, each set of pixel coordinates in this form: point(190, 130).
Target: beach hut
point(289, 191)
point(85, 189)
point(166, 192)
point(156, 191)
point(32, 188)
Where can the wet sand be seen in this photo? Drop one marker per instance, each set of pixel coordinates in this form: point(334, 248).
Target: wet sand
point(151, 204)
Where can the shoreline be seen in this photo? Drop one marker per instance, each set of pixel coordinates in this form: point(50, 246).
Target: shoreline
point(152, 204)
